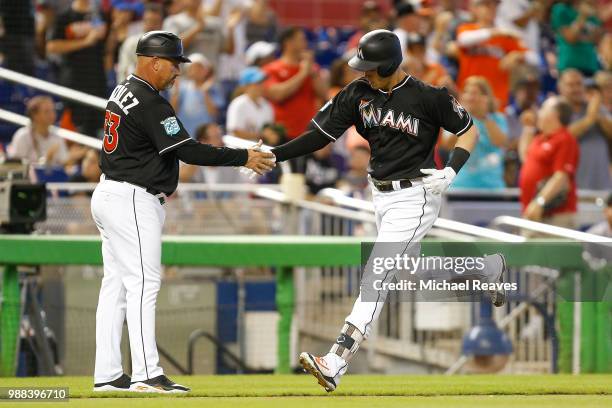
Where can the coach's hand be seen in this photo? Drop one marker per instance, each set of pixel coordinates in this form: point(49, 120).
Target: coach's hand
point(258, 161)
point(438, 180)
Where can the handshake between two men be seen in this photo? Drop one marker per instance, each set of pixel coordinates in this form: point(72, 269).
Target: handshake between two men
point(260, 160)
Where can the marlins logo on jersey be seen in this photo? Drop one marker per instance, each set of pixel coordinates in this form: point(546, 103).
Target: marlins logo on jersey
point(372, 117)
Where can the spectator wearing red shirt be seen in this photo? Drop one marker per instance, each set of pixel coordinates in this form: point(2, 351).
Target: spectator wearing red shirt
point(293, 84)
point(370, 18)
point(550, 159)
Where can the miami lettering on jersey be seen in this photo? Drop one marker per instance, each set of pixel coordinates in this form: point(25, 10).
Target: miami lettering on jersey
point(123, 98)
point(373, 117)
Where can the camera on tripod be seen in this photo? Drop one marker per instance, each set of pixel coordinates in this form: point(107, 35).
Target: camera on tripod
point(22, 203)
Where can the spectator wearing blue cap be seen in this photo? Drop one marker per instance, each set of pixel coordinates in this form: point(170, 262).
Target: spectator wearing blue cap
point(250, 112)
point(152, 19)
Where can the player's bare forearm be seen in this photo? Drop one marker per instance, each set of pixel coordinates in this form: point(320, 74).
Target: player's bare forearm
point(468, 140)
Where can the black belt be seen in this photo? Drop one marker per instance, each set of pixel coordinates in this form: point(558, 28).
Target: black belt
point(387, 185)
point(149, 190)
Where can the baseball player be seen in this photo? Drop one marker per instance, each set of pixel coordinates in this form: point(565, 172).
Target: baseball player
point(400, 117)
point(143, 143)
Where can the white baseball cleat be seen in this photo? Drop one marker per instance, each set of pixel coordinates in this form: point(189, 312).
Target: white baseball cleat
point(160, 384)
point(120, 384)
point(325, 369)
point(498, 296)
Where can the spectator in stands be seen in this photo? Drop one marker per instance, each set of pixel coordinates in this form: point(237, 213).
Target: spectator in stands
point(293, 84)
point(442, 45)
point(407, 21)
point(603, 81)
point(209, 133)
point(487, 51)
point(232, 13)
point(89, 169)
point(197, 98)
point(18, 35)
point(261, 24)
point(78, 36)
point(121, 15)
point(355, 182)
point(370, 18)
point(152, 19)
point(605, 52)
point(36, 142)
point(201, 32)
point(484, 169)
point(260, 53)
point(525, 97)
point(604, 228)
point(322, 169)
point(578, 30)
point(522, 17)
point(591, 125)
point(550, 159)
point(520, 112)
point(273, 135)
point(248, 113)
point(417, 64)
point(340, 76)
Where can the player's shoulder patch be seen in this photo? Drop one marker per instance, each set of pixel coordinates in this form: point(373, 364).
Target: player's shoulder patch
point(171, 125)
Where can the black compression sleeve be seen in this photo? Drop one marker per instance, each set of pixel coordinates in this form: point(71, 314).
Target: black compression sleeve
point(458, 158)
point(206, 155)
point(308, 142)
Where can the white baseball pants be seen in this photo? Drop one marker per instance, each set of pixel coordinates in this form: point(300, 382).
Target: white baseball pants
point(130, 221)
point(404, 215)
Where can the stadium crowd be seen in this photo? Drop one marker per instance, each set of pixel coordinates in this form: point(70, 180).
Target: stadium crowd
point(536, 75)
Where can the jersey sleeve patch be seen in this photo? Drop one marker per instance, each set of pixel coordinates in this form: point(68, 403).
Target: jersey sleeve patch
point(171, 126)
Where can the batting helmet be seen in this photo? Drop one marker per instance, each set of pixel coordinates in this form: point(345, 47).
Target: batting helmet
point(162, 44)
point(380, 50)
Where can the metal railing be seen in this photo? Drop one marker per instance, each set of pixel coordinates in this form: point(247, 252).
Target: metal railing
point(547, 229)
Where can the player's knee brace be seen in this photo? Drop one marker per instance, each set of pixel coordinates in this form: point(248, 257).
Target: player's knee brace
point(348, 342)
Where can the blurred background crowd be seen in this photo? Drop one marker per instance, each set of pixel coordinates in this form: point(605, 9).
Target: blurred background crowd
point(262, 68)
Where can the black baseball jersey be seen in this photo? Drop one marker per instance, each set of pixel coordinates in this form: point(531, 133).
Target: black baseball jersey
point(141, 132)
point(401, 126)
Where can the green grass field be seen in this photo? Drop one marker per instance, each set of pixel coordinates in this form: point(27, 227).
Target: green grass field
point(295, 391)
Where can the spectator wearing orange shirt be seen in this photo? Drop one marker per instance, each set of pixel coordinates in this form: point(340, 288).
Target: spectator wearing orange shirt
point(293, 84)
point(487, 51)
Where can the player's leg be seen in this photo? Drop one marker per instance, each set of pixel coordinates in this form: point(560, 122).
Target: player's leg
point(110, 313)
point(405, 217)
point(142, 260)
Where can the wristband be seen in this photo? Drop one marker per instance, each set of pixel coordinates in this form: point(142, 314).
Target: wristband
point(458, 158)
